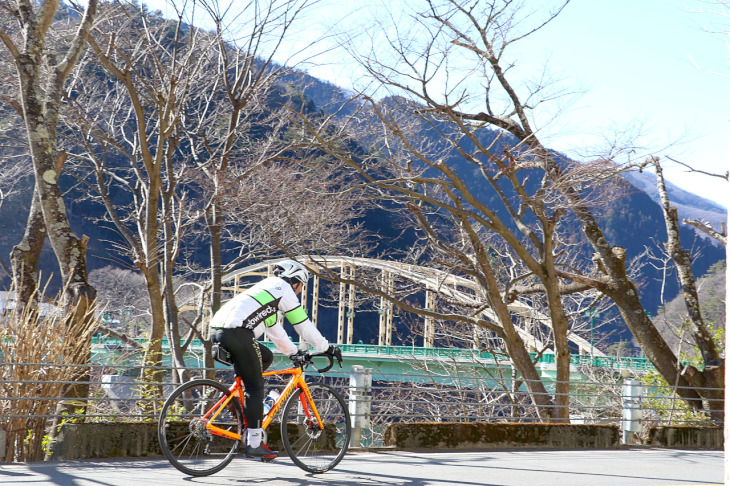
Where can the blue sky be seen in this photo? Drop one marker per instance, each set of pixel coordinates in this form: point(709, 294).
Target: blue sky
point(655, 64)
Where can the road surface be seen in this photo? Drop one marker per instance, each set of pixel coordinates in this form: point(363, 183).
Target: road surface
point(625, 467)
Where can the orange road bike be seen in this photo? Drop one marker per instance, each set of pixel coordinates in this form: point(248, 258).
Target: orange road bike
point(201, 426)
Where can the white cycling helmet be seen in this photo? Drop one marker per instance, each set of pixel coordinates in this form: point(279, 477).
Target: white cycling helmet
point(291, 269)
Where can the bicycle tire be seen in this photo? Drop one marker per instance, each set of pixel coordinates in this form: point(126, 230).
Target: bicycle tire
point(312, 449)
point(181, 433)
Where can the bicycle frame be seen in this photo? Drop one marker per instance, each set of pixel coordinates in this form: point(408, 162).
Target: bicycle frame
point(296, 381)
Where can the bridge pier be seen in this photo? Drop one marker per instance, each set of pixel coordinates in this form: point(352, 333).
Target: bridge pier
point(315, 300)
point(360, 402)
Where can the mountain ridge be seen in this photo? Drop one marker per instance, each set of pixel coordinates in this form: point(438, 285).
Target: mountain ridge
point(689, 205)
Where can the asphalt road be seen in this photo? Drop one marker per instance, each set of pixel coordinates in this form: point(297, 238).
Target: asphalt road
point(624, 467)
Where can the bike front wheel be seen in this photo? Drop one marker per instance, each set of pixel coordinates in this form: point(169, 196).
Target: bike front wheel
point(182, 433)
point(311, 448)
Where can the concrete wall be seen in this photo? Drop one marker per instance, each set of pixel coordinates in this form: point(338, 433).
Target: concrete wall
point(134, 439)
point(84, 441)
point(81, 441)
point(500, 436)
point(686, 437)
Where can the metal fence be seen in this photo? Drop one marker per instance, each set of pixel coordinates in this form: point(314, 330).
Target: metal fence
point(117, 393)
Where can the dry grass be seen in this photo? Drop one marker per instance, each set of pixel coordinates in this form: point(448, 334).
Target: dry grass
point(37, 351)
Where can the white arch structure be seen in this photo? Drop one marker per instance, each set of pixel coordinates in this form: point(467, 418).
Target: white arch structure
point(455, 288)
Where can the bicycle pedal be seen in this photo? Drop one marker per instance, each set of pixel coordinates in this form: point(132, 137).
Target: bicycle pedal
point(267, 459)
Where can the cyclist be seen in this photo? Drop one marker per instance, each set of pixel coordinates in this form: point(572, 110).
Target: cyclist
point(243, 319)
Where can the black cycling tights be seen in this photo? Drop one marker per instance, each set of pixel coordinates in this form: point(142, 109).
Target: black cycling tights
point(250, 359)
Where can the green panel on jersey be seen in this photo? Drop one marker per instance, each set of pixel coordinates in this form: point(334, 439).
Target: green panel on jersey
point(270, 321)
point(263, 297)
point(295, 316)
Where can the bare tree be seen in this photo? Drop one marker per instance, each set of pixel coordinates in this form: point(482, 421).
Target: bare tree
point(155, 132)
point(122, 294)
point(293, 207)
point(709, 350)
point(264, 191)
point(45, 52)
point(238, 128)
point(43, 65)
point(448, 207)
point(127, 138)
point(451, 75)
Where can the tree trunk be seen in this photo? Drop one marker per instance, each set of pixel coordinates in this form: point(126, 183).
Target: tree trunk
point(517, 350)
point(624, 294)
point(612, 262)
point(25, 257)
point(182, 374)
point(683, 262)
point(40, 113)
point(41, 87)
point(216, 266)
point(714, 369)
point(560, 326)
point(215, 226)
point(523, 362)
point(153, 353)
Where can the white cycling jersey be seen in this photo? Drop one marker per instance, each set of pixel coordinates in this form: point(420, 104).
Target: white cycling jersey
point(266, 302)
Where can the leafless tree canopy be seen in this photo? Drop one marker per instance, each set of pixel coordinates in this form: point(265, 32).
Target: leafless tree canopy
point(192, 137)
point(180, 134)
point(449, 71)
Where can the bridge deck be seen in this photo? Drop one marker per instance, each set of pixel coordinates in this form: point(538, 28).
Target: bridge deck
point(370, 355)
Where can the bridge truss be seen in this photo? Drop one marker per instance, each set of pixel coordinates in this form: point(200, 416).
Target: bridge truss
point(436, 284)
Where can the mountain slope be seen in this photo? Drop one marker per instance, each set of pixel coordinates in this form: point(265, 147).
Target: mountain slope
point(689, 205)
point(672, 319)
point(632, 221)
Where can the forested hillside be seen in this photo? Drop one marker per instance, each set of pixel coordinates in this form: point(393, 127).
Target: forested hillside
point(633, 220)
point(673, 321)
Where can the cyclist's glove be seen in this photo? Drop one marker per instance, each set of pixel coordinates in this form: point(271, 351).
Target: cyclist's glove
point(336, 353)
point(300, 358)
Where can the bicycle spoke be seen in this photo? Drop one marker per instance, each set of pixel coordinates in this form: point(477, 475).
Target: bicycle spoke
point(182, 432)
point(310, 447)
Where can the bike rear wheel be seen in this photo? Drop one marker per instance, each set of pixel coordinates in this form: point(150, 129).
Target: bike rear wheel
point(311, 448)
point(181, 431)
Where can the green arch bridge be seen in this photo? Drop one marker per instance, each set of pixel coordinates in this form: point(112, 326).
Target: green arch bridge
point(398, 363)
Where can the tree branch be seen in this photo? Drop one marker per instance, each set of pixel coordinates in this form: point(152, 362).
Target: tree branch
point(708, 229)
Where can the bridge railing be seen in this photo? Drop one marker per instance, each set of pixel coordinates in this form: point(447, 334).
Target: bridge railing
point(612, 362)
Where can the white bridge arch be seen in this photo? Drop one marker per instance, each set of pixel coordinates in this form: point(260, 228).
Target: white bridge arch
point(455, 288)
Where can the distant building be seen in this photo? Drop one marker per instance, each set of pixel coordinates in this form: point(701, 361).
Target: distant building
point(7, 302)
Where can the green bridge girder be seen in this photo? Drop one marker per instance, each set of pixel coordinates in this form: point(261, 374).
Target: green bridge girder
point(408, 363)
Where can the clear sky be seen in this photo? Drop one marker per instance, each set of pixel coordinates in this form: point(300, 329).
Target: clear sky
point(657, 64)
point(653, 62)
